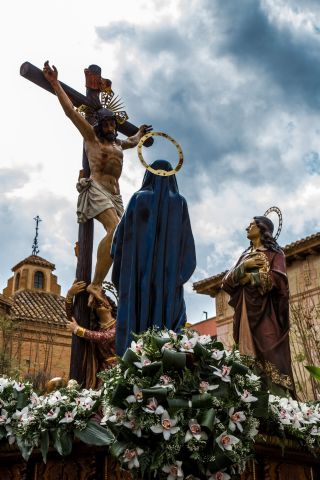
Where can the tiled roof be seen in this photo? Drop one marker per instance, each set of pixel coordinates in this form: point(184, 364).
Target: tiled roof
point(39, 307)
point(315, 238)
point(4, 299)
point(35, 260)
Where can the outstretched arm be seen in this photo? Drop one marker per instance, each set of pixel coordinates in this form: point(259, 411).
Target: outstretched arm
point(84, 127)
point(133, 141)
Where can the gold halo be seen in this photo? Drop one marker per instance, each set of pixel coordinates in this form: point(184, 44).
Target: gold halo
point(160, 172)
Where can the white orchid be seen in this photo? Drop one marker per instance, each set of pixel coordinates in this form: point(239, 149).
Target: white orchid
point(187, 344)
point(69, 416)
point(195, 431)
point(137, 395)
point(247, 397)
point(223, 372)
point(144, 361)
point(205, 387)
point(19, 386)
point(133, 425)
point(4, 417)
point(202, 339)
point(137, 347)
point(85, 402)
point(116, 415)
point(217, 354)
point(165, 382)
point(226, 441)
point(4, 383)
point(166, 427)
point(175, 471)
point(152, 406)
point(52, 414)
point(235, 420)
point(130, 456)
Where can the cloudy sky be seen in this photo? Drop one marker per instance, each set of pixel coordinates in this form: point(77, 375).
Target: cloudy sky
point(235, 82)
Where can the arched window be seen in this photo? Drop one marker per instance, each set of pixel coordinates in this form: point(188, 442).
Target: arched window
point(38, 280)
point(17, 282)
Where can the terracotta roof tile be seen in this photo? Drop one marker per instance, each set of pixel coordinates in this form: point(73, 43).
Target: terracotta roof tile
point(39, 306)
point(35, 260)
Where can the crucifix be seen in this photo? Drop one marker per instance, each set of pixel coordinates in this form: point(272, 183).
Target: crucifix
point(98, 182)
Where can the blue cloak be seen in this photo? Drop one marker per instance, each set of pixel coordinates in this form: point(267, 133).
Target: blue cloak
point(154, 255)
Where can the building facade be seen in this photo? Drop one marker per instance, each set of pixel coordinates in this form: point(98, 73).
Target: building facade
point(37, 342)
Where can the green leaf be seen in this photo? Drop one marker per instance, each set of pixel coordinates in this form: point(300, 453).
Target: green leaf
point(62, 441)
point(95, 434)
point(25, 448)
point(174, 360)
point(207, 420)
point(3, 433)
point(152, 369)
point(130, 356)
point(22, 400)
point(44, 444)
point(158, 392)
point(239, 368)
point(203, 400)
point(201, 351)
point(120, 393)
point(117, 448)
point(260, 407)
point(314, 371)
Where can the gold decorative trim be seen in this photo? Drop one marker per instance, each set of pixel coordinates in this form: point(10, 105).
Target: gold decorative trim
point(160, 172)
point(276, 376)
point(80, 331)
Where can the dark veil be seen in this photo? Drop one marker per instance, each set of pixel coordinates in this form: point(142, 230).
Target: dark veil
point(154, 255)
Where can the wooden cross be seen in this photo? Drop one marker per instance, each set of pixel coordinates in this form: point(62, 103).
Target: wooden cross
point(85, 233)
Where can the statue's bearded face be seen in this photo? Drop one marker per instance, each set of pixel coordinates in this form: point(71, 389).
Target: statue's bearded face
point(108, 126)
point(253, 230)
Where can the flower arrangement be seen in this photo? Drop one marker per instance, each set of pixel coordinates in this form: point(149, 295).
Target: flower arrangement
point(176, 406)
point(298, 419)
point(33, 421)
point(179, 405)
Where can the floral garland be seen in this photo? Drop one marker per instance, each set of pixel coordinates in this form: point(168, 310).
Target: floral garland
point(176, 406)
point(180, 405)
point(35, 421)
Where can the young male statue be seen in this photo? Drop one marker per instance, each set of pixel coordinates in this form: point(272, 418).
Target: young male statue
point(259, 294)
point(100, 194)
